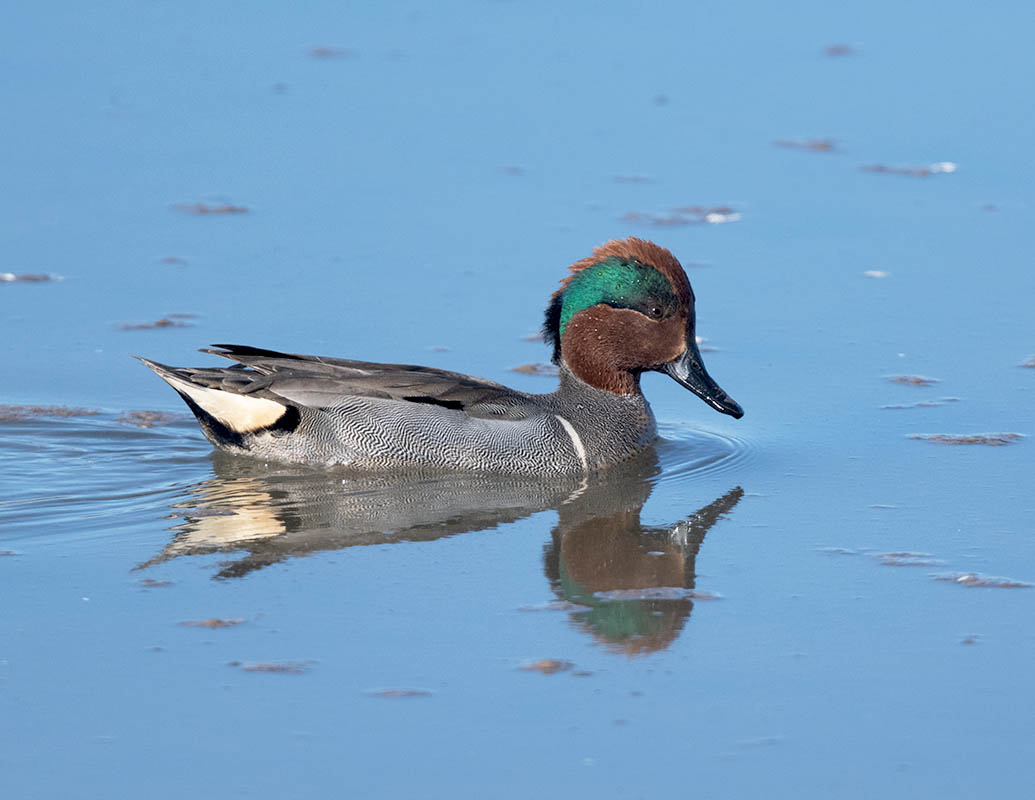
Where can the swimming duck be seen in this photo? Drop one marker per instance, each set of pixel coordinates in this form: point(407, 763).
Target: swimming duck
point(626, 309)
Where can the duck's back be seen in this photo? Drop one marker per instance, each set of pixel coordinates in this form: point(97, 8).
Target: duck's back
point(311, 409)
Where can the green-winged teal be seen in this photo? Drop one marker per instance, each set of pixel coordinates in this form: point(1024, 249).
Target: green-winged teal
point(624, 310)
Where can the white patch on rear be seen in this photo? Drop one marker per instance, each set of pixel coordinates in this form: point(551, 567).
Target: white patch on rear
point(238, 412)
point(576, 441)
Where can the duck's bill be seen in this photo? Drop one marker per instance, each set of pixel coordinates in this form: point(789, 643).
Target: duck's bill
point(688, 370)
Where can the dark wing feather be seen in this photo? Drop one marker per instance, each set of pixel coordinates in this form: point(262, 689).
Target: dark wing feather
point(323, 382)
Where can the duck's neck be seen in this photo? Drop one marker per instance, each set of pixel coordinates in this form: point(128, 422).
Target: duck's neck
point(587, 365)
point(612, 426)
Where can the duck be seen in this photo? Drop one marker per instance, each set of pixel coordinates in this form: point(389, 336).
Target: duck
point(626, 309)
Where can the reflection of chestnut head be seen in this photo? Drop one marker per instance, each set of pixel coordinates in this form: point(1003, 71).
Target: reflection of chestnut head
point(634, 583)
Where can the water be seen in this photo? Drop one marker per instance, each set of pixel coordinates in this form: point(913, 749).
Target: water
point(734, 620)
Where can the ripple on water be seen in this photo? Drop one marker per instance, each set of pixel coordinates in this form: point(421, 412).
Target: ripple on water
point(87, 475)
point(688, 453)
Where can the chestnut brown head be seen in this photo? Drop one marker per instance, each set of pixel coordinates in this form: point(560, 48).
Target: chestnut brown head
point(627, 309)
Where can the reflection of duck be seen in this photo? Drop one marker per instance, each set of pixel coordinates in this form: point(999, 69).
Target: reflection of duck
point(626, 309)
point(632, 585)
point(633, 581)
point(276, 512)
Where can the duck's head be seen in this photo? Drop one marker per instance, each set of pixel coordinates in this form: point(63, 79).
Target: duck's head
point(625, 310)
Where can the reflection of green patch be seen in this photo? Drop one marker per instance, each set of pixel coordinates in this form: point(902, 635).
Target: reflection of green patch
point(613, 620)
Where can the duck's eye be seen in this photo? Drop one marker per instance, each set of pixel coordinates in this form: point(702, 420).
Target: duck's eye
point(655, 312)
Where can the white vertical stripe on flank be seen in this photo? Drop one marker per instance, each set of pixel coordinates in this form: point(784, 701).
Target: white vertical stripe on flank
point(576, 442)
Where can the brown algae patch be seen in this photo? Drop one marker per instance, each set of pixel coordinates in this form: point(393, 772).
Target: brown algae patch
point(393, 694)
point(215, 623)
point(538, 369)
point(987, 439)
point(27, 277)
point(1030, 363)
point(811, 145)
point(274, 667)
point(913, 380)
point(684, 215)
point(839, 51)
point(906, 559)
point(19, 413)
point(923, 403)
point(938, 168)
point(325, 52)
point(205, 209)
point(547, 666)
point(148, 419)
point(977, 580)
point(170, 321)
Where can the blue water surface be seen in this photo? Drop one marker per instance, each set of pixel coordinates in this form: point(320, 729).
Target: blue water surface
point(806, 602)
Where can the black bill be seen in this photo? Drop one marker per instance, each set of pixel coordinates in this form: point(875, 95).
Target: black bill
point(688, 370)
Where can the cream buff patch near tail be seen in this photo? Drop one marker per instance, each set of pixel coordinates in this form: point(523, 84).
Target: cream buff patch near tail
point(238, 412)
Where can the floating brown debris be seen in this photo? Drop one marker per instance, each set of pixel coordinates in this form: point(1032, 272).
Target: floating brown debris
point(1029, 364)
point(923, 403)
point(989, 439)
point(323, 51)
point(164, 322)
point(204, 209)
point(685, 215)
point(838, 551)
point(151, 583)
point(26, 277)
point(392, 694)
point(913, 380)
point(812, 145)
point(839, 50)
point(18, 413)
point(148, 419)
point(212, 624)
point(274, 667)
point(938, 168)
point(547, 666)
point(538, 369)
point(908, 560)
point(971, 639)
point(977, 580)
point(7, 553)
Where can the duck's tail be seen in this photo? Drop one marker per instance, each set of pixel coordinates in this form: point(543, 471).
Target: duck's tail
point(225, 416)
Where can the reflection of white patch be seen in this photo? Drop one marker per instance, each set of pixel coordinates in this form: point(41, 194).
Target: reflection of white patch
point(238, 412)
point(239, 511)
point(576, 442)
